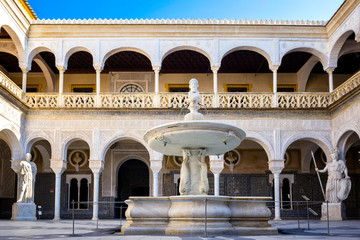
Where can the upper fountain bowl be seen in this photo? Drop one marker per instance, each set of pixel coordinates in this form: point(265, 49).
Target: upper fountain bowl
point(216, 137)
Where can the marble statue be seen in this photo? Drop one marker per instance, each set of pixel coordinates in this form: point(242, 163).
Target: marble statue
point(27, 176)
point(194, 101)
point(193, 174)
point(338, 183)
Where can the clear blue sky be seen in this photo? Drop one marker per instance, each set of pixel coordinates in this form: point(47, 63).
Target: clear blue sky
point(219, 9)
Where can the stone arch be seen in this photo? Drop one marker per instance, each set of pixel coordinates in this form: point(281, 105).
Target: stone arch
point(124, 136)
point(38, 50)
point(305, 71)
point(123, 49)
point(12, 139)
point(34, 137)
point(258, 50)
point(73, 50)
point(343, 137)
point(72, 138)
point(321, 56)
point(318, 139)
point(18, 44)
point(187, 47)
point(335, 50)
point(263, 142)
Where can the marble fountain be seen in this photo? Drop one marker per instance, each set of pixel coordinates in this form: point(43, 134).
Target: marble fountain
point(194, 212)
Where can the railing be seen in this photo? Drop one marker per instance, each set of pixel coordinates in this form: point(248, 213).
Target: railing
point(245, 100)
point(9, 85)
point(345, 88)
point(303, 100)
point(242, 100)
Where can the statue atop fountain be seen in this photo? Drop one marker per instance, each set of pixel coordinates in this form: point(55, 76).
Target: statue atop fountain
point(194, 102)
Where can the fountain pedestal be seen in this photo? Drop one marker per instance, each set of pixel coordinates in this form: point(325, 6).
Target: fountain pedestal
point(191, 214)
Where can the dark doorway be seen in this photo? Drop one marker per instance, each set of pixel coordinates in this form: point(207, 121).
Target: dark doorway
point(8, 182)
point(133, 180)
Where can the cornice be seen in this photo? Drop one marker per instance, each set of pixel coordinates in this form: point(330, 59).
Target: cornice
point(180, 22)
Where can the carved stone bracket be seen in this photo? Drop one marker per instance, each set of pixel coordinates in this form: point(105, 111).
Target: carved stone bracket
point(96, 166)
point(276, 165)
point(216, 163)
point(58, 165)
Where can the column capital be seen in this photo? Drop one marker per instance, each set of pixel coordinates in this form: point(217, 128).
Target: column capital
point(216, 163)
point(156, 68)
point(61, 68)
point(215, 68)
point(329, 70)
point(58, 165)
point(274, 67)
point(98, 67)
point(24, 69)
point(155, 165)
point(276, 165)
point(96, 166)
point(15, 165)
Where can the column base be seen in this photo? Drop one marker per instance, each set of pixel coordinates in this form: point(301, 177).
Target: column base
point(336, 211)
point(23, 211)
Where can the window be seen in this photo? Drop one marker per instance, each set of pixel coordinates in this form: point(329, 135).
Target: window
point(78, 191)
point(32, 87)
point(237, 87)
point(286, 186)
point(286, 87)
point(130, 88)
point(83, 88)
point(177, 88)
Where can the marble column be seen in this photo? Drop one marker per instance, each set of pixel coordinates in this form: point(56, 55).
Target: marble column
point(96, 167)
point(98, 70)
point(215, 70)
point(156, 87)
point(330, 71)
point(216, 167)
point(24, 70)
point(156, 166)
point(276, 166)
point(274, 69)
point(58, 166)
point(61, 69)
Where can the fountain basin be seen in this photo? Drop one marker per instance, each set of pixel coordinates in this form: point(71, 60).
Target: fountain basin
point(185, 215)
point(216, 137)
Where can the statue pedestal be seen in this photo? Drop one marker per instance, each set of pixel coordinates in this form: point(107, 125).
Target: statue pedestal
point(336, 211)
point(23, 211)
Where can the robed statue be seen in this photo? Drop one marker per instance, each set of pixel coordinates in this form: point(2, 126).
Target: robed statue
point(27, 176)
point(338, 183)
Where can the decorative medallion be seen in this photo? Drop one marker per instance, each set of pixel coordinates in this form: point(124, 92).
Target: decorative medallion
point(232, 158)
point(78, 159)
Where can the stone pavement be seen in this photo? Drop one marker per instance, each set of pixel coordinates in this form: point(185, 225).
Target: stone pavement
point(109, 229)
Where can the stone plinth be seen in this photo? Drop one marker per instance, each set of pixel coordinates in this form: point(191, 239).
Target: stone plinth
point(336, 211)
point(148, 215)
point(23, 211)
point(185, 215)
